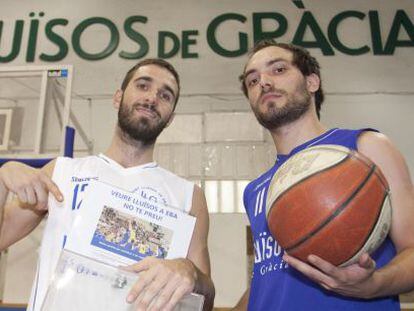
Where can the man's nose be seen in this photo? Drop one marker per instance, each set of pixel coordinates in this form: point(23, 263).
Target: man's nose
point(150, 97)
point(266, 83)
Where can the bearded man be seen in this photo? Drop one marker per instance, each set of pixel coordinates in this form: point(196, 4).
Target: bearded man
point(146, 102)
point(283, 85)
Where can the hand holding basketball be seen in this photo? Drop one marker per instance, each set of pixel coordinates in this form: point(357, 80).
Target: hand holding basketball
point(355, 280)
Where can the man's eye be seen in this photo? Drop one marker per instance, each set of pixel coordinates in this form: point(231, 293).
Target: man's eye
point(252, 82)
point(142, 86)
point(165, 96)
point(278, 69)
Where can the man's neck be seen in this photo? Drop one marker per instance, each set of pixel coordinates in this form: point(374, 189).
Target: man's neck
point(128, 152)
point(294, 134)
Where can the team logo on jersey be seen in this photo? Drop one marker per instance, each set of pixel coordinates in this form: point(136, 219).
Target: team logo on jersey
point(150, 194)
point(267, 252)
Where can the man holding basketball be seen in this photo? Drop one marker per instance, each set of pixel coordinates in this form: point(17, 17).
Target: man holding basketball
point(283, 85)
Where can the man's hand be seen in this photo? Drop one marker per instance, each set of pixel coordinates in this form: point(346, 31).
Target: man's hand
point(162, 283)
point(29, 184)
point(356, 280)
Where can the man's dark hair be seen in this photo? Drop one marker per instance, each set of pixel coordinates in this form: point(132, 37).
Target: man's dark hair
point(306, 63)
point(152, 61)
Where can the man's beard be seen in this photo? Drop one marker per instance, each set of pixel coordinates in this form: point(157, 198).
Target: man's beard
point(138, 128)
point(296, 105)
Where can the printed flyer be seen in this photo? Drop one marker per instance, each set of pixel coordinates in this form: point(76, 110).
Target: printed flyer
point(120, 228)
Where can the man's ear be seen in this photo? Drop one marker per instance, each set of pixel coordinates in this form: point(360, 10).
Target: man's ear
point(313, 83)
point(117, 98)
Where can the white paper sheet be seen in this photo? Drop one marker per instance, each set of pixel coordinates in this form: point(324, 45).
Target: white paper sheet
point(120, 228)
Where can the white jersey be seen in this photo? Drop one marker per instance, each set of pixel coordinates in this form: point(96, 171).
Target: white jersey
point(72, 176)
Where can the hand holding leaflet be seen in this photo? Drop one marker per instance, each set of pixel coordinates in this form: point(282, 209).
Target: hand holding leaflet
point(83, 284)
point(116, 228)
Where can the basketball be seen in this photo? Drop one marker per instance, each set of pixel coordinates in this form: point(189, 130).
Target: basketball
point(329, 201)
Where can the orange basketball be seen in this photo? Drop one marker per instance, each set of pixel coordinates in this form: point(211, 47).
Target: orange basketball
point(328, 201)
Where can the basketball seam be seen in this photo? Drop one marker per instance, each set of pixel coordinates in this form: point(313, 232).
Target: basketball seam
point(338, 211)
point(303, 179)
point(365, 160)
point(372, 229)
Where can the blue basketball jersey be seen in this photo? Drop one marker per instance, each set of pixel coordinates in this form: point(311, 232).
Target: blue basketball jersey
point(275, 285)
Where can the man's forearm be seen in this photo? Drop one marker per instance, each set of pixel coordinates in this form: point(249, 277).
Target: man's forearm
point(397, 277)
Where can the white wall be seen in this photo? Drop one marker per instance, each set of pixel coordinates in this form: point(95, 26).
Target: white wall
point(362, 91)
